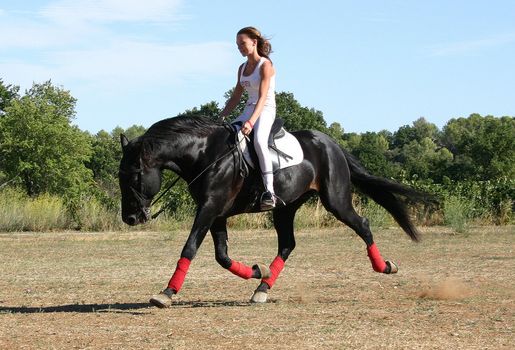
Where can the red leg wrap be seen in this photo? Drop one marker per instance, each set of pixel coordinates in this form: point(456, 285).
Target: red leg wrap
point(377, 261)
point(275, 268)
point(179, 275)
point(241, 270)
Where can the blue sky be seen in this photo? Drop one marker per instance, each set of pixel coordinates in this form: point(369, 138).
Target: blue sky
point(368, 65)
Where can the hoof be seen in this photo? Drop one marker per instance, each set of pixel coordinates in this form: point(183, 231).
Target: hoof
point(264, 270)
point(161, 300)
point(259, 297)
point(393, 267)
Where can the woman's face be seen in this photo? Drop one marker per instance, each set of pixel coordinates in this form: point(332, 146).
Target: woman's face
point(246, 45)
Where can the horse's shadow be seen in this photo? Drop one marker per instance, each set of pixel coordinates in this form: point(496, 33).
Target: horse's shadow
point(130, 308)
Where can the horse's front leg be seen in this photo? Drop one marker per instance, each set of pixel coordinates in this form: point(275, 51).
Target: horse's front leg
point(203, 221)
point(219, 233)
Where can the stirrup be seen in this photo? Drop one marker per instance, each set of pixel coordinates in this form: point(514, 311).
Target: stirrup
point(276, 200)
point(267, 204)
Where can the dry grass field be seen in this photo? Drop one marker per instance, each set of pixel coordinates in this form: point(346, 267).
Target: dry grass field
point(91, 291)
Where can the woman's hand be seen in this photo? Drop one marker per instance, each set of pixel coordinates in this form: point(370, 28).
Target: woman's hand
point(247, 128)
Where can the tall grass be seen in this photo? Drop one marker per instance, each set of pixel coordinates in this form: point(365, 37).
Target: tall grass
point(90, 215)
point(377, 216)
point(458, 213)
point(19, 212)
point(251, 221)
point(314, 215)
point(506, 212)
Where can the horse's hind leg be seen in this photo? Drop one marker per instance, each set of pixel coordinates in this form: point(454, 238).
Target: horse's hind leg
point(341, 207)
point(283, 223)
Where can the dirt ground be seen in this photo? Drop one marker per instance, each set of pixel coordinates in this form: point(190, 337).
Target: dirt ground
point(91, 291)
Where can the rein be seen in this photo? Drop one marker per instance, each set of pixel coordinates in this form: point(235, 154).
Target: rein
point(189, 183)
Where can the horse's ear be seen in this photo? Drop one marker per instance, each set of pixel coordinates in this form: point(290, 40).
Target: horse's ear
point(124, 140)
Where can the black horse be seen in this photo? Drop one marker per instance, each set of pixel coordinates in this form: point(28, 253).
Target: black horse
point(201, 151)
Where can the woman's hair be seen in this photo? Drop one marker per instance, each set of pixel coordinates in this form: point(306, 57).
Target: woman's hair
point(263, 44)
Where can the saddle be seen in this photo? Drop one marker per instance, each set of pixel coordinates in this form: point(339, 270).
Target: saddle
point(284, 148)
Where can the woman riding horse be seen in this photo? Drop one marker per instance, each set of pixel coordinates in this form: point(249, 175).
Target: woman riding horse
point(200, 151)
point(257, 77)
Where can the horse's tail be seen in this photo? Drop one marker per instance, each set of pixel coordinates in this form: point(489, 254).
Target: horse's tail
point(384, 192)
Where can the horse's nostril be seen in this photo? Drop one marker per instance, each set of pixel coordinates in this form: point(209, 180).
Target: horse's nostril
point(131, 220)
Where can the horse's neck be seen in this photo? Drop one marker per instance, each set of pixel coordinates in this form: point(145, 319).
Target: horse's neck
point(186, 156)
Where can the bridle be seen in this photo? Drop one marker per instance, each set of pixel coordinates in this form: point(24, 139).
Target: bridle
point(138, 193)
point(141, 197)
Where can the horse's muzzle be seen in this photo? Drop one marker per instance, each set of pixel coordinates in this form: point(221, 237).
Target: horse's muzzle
point(139, 218)
point(131, 220)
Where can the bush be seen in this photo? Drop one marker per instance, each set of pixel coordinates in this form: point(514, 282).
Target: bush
point(314, 215)
point(91, 215)
point(458, 213)
point(251, 221)
point(484, 202)
point(18, 212)
point(506, 212)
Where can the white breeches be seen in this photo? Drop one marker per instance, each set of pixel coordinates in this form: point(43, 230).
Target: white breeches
point(261, 133)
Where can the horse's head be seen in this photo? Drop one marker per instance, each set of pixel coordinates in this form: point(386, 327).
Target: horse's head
point(140, 180)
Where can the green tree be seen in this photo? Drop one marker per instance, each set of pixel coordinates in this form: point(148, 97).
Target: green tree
point(105, 159)
point(421, 129)
point(8, 93)
point(40, 146)
point(425, 160)
point(388, 136)
point(352, 141)
point(373, 153)
point(336, 131)
point(483, 147)
point(209, 109)
point(131, 132)
point(297, 117)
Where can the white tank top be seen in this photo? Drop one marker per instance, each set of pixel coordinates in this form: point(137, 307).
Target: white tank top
point(251, 85)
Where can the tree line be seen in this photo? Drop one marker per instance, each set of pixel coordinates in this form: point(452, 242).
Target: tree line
point(42, 152)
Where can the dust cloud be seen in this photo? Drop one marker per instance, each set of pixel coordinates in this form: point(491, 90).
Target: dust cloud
point(448, 289)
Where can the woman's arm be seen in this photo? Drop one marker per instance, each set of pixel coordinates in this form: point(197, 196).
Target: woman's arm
point(235, 97)
point(267, 71)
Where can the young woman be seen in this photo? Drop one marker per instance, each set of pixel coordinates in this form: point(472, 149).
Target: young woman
point(257, 77)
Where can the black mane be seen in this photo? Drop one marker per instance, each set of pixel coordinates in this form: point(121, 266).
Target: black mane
point(192, 126)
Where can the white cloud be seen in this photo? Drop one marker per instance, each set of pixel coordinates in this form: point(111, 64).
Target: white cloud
point(66, 11)
point(73, 44)
point(31, 34)
point(471, 46)
point(142, 63)
point(67, 22)
point(126, 65)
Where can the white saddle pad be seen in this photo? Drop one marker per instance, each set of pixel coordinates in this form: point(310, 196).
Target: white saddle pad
point(287, 144)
